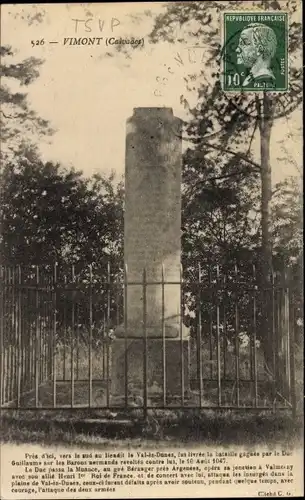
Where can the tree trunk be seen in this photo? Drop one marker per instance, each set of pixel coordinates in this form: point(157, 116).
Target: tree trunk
point(265, 126)
point(266, 187)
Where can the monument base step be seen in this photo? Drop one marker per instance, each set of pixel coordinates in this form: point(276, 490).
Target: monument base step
point(172, 331)
point(128, 367)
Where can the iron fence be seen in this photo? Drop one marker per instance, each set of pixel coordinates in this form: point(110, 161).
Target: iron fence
point(58, 332)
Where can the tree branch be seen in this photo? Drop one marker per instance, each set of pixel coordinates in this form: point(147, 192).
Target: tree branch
point(276, 191)
point(229, 151)
point(6, 116)
point(203, 181)
point(252, 136)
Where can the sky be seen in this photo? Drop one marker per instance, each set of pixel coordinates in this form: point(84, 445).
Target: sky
point(88, 92)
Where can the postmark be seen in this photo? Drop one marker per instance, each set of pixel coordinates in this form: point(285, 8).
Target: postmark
point(255, 52)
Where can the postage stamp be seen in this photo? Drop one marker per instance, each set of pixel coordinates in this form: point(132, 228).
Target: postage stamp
point(255, 51)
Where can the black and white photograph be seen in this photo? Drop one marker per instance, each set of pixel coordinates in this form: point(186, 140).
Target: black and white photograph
point(151, 250)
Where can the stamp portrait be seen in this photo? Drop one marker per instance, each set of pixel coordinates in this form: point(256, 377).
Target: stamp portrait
point(255, 51)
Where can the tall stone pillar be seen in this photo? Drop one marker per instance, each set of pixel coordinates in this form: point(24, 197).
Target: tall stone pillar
point(152, 242)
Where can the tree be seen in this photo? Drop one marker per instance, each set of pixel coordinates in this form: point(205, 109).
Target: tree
point(33, 226)
point(218, 219)
point(286, 221)
point(224, 125)
point(51, 214)
point(20, 125)
point(218, 119)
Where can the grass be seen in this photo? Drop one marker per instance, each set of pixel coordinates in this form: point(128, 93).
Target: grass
point(89, 428)
point(99, 395)
point(80, 369)
point(100, 429)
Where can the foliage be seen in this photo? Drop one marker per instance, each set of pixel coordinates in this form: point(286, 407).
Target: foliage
point(51, 214)
point(219, 217)
point(20, 124)
point(222, 125)
point(78, 428)
point(286, 211)
point(219, 224)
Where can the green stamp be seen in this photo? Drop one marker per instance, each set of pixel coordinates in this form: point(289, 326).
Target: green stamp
point(255, 51)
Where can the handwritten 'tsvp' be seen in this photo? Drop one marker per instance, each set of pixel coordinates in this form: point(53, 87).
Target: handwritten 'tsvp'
point(88, 24)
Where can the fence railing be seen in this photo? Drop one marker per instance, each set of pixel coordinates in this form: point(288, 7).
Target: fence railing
point(58, 335)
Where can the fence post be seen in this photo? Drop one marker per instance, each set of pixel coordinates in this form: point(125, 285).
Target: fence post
point(181, 336)
point(64, 329)
point(108, 350)
point(274, 368)
point(292, 348)
point(211, 322)
point(50, 326)
point(292, 367)
point(28, 329)
point(14, 338)
point(77, 339)
point(279, 333)
point(199, 335)
point(5, 341)
point(125, 333)
point(145, 342)
point(2, 339)
point(287, 335)
point(72, 336)
point(19, 339)
point(254, 335)
point(37, 350)
point(218, 337)
point(237, 354)
point(163, 336)
point(90, 337)
point(54, 332)
point(225, 346)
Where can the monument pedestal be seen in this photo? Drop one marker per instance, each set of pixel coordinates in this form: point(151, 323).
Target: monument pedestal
point(152, 259)
point(177, 362)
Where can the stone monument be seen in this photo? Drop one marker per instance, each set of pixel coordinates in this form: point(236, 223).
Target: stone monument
point(152, 242)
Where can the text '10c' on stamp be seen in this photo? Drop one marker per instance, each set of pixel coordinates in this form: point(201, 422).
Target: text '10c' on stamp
point(254, 51)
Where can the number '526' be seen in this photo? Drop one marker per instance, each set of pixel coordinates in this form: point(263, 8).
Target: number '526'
point(37, 42)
